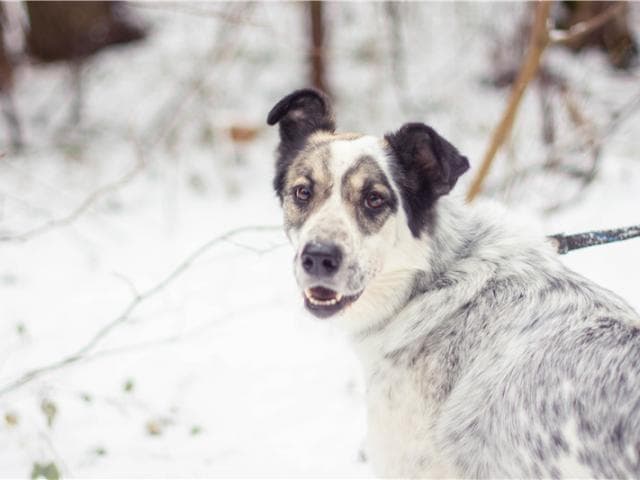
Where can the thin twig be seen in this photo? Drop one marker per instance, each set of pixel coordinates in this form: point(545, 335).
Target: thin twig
point(87, 203)
point(63, 465)
point(196, 11)
point(223, 47)
point(595, 141)
point(584, 28)
point(128, 282)
point(172, 339)
point(130, 307)
point(621, 115)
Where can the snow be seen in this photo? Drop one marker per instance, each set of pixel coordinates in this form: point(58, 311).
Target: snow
point(223, 365)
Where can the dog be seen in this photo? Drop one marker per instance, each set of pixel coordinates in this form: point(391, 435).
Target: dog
point(483, 355)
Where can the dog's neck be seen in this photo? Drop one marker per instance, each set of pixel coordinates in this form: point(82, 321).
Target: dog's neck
point(443, 269)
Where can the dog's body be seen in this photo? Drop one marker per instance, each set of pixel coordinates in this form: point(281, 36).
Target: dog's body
point(483, 355)
point(503, 364)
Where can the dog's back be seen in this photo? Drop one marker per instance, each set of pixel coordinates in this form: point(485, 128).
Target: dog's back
point(521, 367)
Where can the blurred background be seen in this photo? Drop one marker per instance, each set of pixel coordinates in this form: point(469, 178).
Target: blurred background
point(149, 321)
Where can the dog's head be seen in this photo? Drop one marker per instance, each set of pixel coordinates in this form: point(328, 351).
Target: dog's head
point(355, 204)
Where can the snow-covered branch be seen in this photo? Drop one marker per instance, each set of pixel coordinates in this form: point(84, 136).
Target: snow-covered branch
point(135, 302)
point(79, 210)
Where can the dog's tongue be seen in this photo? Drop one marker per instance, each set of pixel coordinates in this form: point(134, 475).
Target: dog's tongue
point(321, 293)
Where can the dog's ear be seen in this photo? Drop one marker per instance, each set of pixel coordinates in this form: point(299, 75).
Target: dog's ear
point(299, 114)
point(428, 167)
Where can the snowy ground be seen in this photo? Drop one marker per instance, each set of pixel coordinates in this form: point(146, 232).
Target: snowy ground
point(221, 372)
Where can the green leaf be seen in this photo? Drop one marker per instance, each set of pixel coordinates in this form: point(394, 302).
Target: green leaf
point(129, 385)
point(36, 471)
point(49, 471)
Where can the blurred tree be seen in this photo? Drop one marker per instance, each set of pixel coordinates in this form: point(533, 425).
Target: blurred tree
point(73, 31)
point(541, 37)
point(6, 84)
point(318, 73)
point(5, 63)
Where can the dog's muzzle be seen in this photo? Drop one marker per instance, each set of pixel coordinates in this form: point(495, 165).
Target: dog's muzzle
point(321, 261)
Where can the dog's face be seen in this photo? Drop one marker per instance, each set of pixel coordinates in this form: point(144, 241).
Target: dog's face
point(352, 202)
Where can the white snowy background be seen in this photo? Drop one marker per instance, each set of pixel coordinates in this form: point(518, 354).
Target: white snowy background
point(220, 372)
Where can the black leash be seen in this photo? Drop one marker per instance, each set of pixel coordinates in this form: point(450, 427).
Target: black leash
point(566, 243)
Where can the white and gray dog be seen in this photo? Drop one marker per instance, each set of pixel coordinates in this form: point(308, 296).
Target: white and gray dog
point(483, 355)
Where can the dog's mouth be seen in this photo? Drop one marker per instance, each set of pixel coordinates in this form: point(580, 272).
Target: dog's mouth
point(324, 302)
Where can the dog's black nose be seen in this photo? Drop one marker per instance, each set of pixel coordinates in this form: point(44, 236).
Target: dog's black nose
point(321, 259)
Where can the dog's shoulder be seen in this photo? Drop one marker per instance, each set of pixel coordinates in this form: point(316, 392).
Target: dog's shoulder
point(517, 352)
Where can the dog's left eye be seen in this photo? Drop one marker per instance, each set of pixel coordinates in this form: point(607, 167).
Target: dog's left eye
point(374, 201)
point(303, 193)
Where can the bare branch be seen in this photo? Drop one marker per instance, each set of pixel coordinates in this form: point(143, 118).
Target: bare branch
point(594, 141)
point(79, 354)
point(235, 18)
point(172, 339)
point(87, 203)
point(225, 46)
point(128, 282)
point(621, 115)
point(538, 41)
point(583, 28)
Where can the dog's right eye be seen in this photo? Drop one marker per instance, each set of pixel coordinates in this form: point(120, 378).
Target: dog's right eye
point(303, 193)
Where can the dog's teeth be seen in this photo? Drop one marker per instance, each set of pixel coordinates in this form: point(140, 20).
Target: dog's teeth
point(316, 301)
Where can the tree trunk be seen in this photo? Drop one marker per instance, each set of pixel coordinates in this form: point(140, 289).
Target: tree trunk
point(317, 53)
point(68, 30)
point(6, 83)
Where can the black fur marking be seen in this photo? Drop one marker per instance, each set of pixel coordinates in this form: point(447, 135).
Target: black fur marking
point(299, 115)
point(426, 167)
point(559, 442)
point(362, 178)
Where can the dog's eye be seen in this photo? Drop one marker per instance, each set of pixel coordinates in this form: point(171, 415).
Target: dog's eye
point(303, 193)
point(374, 201)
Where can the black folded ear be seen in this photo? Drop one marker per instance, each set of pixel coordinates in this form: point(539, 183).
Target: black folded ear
point(299, 114)
point(427, 167)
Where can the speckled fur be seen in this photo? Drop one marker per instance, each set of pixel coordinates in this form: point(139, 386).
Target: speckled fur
point(484, 356)
point(503, 363)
